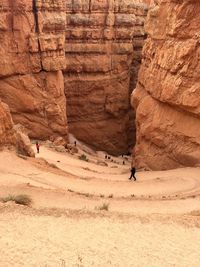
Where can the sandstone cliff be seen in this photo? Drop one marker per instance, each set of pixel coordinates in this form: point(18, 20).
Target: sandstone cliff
point(32, 57)
point(167, 97)
point(103, 44)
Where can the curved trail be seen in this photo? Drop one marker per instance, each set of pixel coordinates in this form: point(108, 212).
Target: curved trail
point(77, 184)
point(153, 222)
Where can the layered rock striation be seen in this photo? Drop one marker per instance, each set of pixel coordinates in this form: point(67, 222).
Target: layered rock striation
point(32, 53)
point(167, 97)
point(96, 44)
point(103, 44)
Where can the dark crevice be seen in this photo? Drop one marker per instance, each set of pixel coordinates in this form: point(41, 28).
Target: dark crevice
point(35, 13)
point(11, 5)
point(90, 6)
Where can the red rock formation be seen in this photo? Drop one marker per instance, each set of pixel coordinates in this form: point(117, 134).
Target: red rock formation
point(9, 136)
point(99, 56)
point(102, 40)
point(167, 97)
point(32, 56)
point(7, 133)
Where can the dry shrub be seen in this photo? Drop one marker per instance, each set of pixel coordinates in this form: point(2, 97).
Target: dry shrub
point(104, 206)
point(83, 157)
point(18, 199)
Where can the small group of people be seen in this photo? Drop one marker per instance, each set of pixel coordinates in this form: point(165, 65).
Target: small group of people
point(133, 170)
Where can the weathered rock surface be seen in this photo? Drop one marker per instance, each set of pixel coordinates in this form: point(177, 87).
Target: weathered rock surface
point(7, 133)
point(32, 57)
point(11, 136)
point(167, 97)
point(23, 145)
point(103, 46)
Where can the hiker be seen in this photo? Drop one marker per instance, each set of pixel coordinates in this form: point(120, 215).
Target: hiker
point(75, 143)
point(133, 170)
point(37, 147)
point(106, 156)
point(123, 162)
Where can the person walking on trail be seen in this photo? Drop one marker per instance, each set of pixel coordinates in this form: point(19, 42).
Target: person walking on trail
point(37, 147)
point(133, 170)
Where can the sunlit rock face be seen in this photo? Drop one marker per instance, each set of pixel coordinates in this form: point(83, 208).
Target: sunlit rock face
point(103, 49)
point(32, 56)
point(167, 97)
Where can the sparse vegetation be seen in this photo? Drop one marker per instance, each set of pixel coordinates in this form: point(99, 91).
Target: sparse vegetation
point(70, 190)
point(84, 194)
point(18, 199)
point(110, 196)
point(52, 165)
point(102, 196)
point(104, 206)
point(80, 193)
point(21, 156)
point(80, 261)
point(83, 157)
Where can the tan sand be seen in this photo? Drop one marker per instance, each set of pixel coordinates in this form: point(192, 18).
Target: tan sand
point(151, 222)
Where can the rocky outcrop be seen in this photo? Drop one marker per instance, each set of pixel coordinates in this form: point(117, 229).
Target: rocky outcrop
point(13, 136)
point(167, 97)
point(103, 44)
point(32, 56)
point(7, 133)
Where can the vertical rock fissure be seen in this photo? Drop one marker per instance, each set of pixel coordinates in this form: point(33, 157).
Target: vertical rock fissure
point(12, 14)
point(90, 3)
point(35, 13)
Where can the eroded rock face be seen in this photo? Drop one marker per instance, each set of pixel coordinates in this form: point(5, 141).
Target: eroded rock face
point(167, 97)
point(7, 133)
point(11, 136)
point(101, 37)
point(32, 56)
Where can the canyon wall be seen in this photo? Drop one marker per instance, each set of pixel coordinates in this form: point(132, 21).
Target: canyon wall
point(103, 50)
point(96, 44)
point(167, 96)
point(32, 54)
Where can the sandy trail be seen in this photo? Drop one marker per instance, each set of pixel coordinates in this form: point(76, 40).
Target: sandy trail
point(149, 223)
point(46, 240)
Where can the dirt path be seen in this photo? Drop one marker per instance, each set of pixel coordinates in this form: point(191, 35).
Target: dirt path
point(153, 222)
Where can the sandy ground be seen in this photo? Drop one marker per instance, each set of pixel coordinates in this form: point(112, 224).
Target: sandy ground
point(152, 222)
